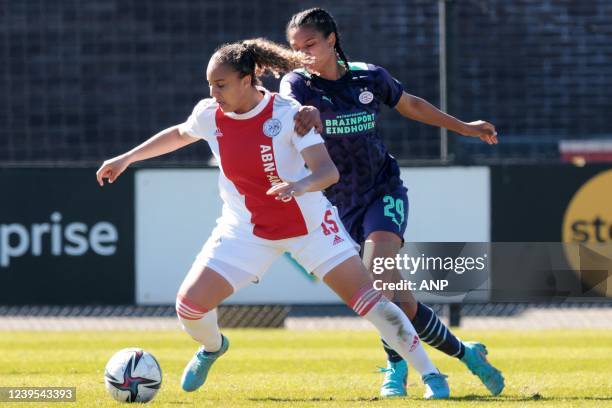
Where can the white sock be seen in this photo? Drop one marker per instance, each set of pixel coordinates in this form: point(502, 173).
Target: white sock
point(394, 327)
point(199, 323)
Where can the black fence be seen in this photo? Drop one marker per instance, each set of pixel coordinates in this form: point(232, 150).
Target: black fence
point(84, 80)
point(271, 316)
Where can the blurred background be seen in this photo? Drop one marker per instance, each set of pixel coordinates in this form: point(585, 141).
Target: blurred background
point(82, 81)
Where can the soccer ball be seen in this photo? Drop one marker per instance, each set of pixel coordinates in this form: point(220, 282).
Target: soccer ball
point(132, 375)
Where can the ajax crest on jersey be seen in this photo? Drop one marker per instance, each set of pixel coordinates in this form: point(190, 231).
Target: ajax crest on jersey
point(132, 375)
point(272, 127)
point(366, 97)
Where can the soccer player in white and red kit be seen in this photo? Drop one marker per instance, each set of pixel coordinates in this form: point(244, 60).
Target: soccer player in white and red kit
point(272, 204)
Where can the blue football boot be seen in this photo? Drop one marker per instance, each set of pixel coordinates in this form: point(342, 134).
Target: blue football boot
point(475, 358)
point(396, 376)
point(436, 386)
point(197, 370)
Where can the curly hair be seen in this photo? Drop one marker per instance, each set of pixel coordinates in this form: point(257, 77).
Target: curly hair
point(258, 57)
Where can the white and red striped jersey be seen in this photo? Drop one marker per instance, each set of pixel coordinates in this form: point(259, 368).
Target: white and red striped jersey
point(256, 150)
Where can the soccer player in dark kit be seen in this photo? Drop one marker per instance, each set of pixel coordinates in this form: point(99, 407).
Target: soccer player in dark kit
point(370, 196)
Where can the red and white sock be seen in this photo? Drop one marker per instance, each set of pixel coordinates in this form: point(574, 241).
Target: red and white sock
point(394, 327)
point(199, 323)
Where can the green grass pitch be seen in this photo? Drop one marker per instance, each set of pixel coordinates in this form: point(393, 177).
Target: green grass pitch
point(270, 368)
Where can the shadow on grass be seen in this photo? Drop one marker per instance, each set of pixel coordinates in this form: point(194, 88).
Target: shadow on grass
point(313, 399)
point(525, 398)
point(472, 398)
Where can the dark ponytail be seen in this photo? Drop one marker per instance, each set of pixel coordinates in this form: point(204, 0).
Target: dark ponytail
point(322, 21)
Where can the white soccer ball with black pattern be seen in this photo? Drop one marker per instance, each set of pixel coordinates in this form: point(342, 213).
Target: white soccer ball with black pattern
point(132, 375)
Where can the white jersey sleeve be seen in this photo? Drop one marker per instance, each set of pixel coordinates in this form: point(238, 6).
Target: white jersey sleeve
point(309, 139)
point(299, 142)
point(201, 123)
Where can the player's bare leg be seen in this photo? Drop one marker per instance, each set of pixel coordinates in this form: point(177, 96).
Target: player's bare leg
point(384, 244)
point(201, 292)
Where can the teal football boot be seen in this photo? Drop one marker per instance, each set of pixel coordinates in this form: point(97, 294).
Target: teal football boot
point(475, 358)
point(197, 370)
point(396, 376)
point(436, 386)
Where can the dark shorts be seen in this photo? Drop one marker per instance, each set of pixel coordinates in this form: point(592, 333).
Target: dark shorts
point(387, 212)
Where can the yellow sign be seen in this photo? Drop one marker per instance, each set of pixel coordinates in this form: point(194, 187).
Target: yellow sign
point(588, 221)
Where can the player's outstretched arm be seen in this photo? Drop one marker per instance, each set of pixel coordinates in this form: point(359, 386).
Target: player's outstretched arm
point(166, 141)
point(419, 109)
point(323, 174)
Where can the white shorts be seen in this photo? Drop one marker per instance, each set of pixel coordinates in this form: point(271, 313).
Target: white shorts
point(243, 258)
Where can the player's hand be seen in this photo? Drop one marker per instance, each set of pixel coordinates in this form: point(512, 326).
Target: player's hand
point(111, 169)
point(308, 117)
point(284, 191)
point(481, 129)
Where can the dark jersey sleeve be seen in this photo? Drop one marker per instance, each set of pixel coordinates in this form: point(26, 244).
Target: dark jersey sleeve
point(389, 89)
point(294, 86)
